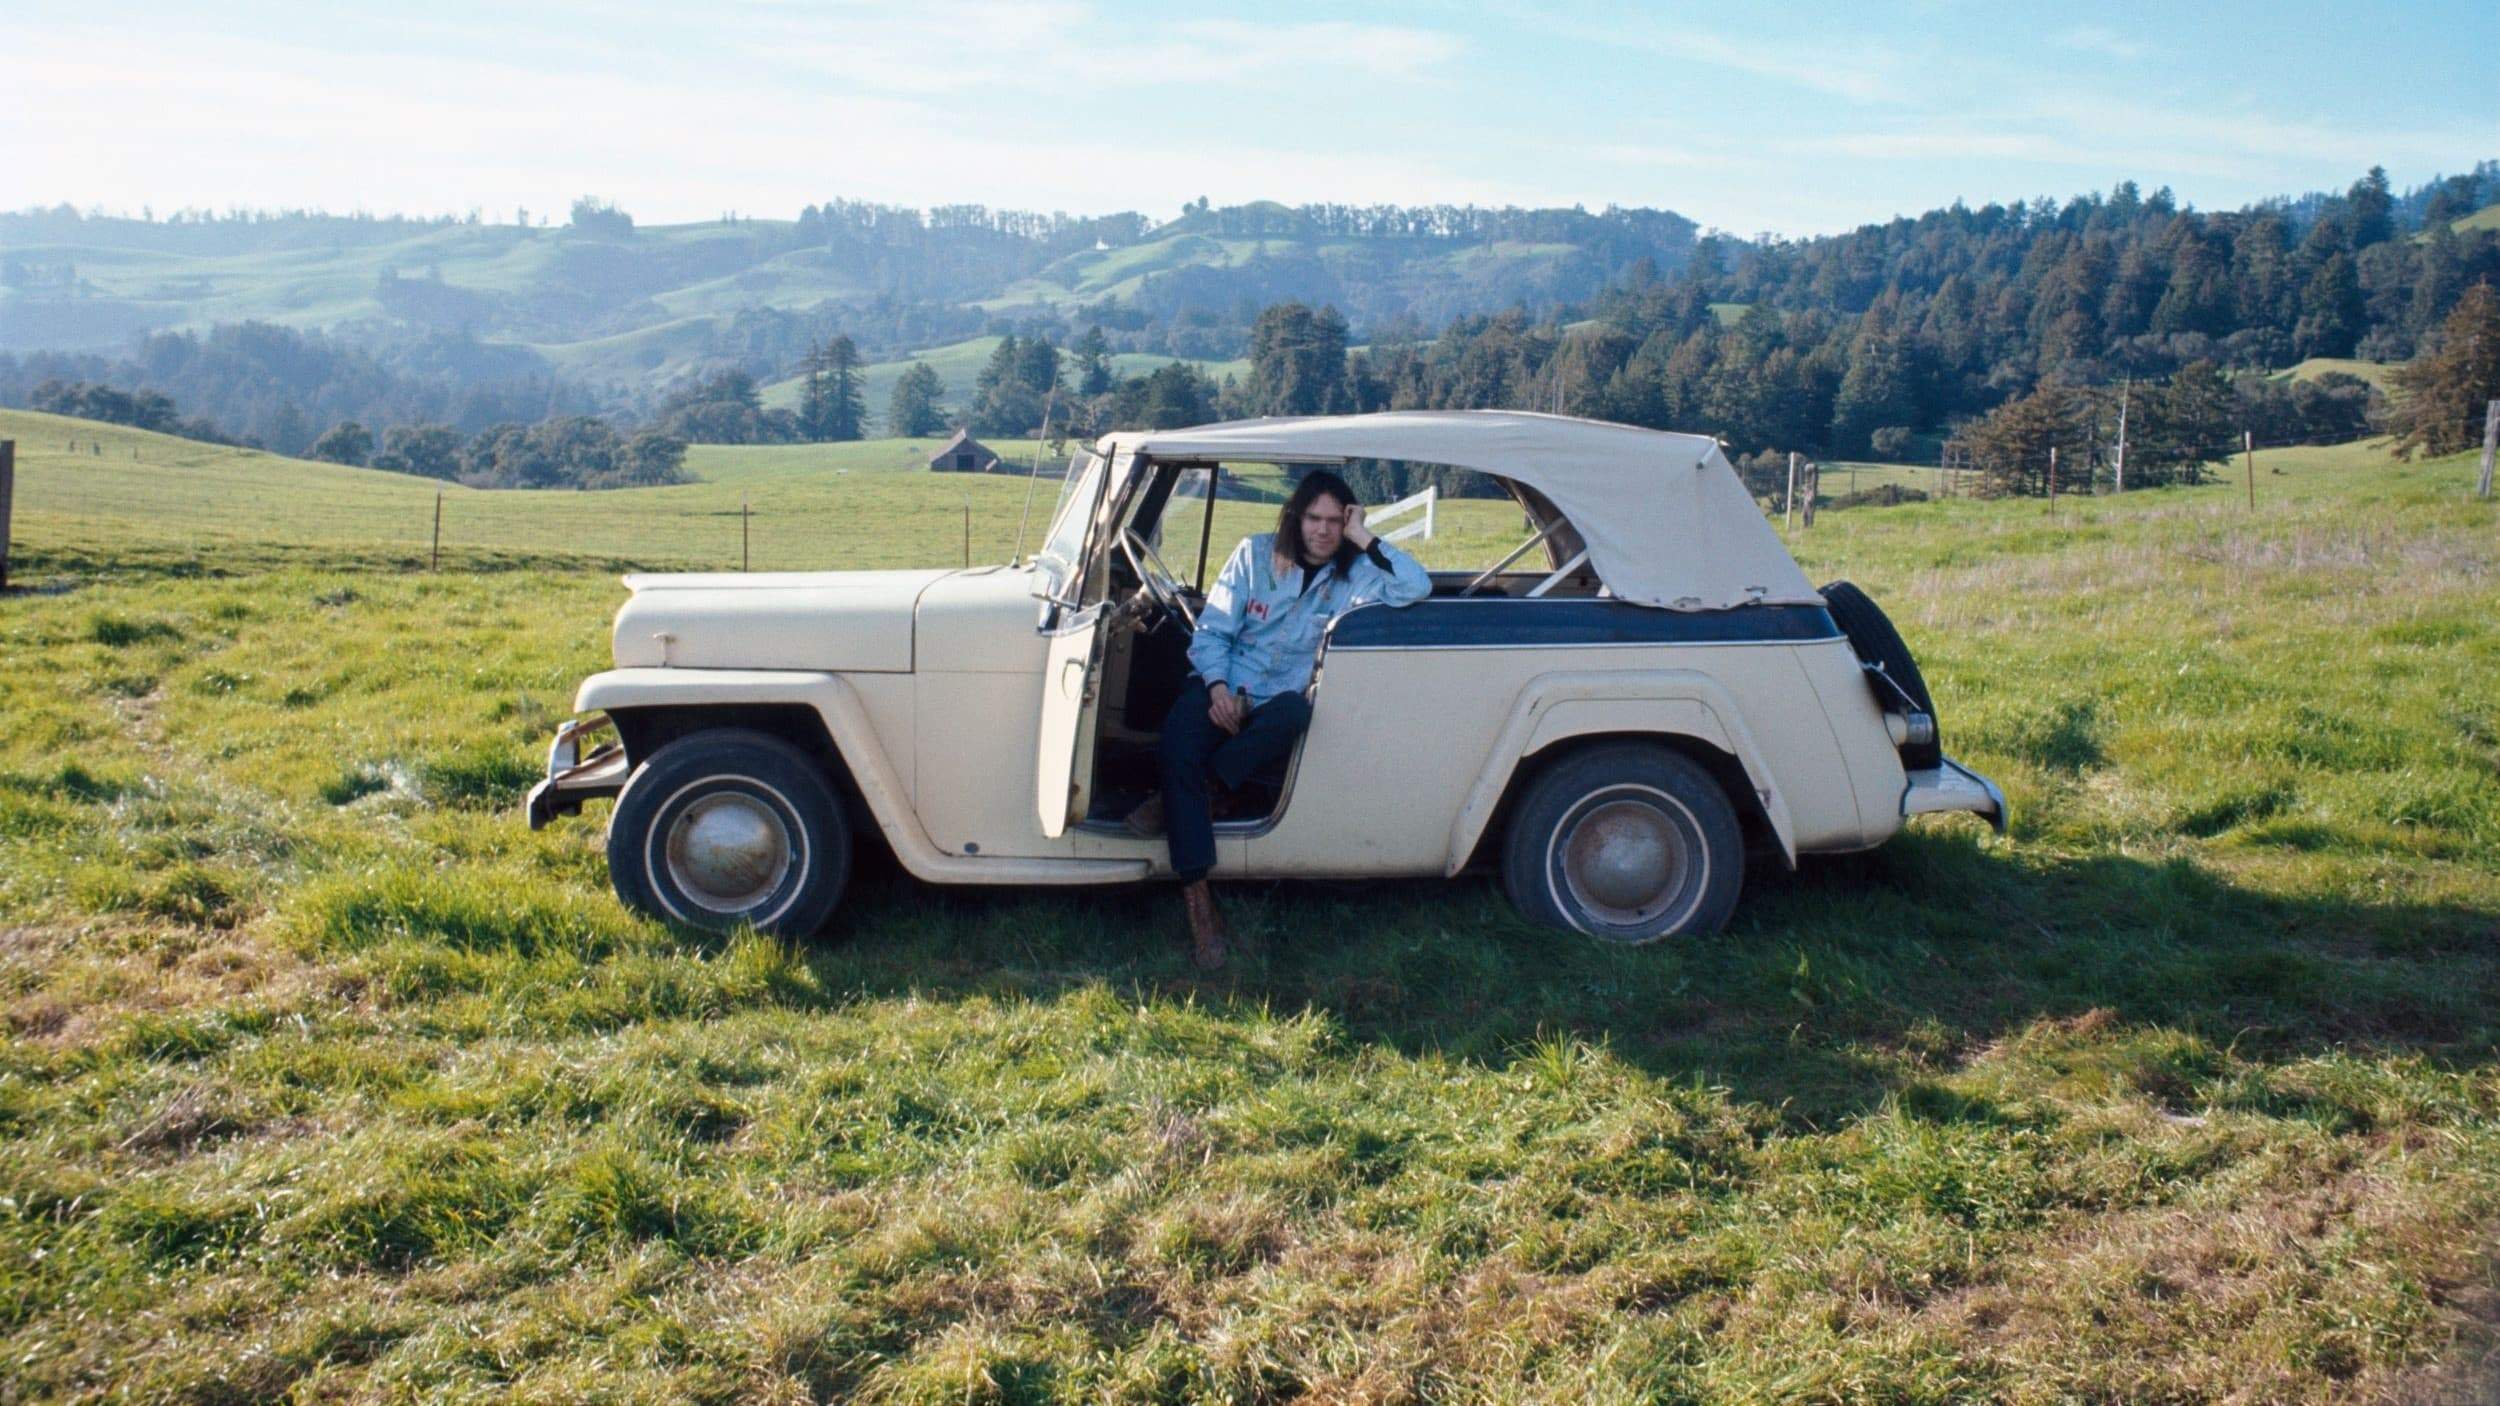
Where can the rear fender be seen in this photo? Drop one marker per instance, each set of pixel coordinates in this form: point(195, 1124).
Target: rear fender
point(1555, 708)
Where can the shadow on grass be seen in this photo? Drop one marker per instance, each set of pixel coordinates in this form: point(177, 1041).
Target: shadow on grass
point(1835, 988)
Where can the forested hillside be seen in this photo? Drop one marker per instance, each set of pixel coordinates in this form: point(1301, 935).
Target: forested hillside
point(1863, 341)
point(606, 300)
point(1879, 341)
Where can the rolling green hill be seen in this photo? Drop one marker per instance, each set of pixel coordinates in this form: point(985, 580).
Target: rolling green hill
point(2374, 372)
point(643, 306)
point(959, 365)
point(2487, 217)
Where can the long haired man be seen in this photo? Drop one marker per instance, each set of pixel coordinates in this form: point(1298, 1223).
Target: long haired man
point(1256, 647)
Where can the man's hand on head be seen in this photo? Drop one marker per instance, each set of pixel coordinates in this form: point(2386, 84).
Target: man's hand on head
point(1355, 531)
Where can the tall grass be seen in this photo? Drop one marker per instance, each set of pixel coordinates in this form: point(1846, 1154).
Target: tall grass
point(328, 1078)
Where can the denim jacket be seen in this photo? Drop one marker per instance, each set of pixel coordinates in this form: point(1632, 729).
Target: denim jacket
point(1260, 630)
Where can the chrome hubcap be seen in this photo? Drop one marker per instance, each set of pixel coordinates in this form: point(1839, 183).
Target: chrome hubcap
point(728, 852)
point(1626, 862)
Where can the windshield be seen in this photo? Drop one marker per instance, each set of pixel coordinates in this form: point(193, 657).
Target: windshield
point(1055, 565)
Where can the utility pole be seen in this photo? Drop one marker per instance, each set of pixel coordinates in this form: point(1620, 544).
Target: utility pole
point(435, 563)
point(2118, 465)
point(2482, 486)
point(2052, 480)
point(8, 485)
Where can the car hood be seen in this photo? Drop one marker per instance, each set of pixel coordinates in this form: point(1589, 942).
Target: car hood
point(850, 621)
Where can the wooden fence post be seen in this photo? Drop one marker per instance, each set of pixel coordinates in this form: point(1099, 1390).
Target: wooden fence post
point(8, 486)
point(2482, 486)
point(746, 556)
point(436, 564)
point(2052, 480)
point(967, 532)
point(2248, 447)
point(1788, 513)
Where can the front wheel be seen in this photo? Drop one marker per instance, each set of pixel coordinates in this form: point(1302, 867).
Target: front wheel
point(1627, 842)
point(730, 828)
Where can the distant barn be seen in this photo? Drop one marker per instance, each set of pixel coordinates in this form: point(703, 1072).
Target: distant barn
point(963, 455)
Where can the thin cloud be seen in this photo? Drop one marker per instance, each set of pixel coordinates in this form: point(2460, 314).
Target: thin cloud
point(1634, 154)
point(968, 46)
point(1856, 74)
point(1863, 72)
point(265, 123)
point(2094, 39)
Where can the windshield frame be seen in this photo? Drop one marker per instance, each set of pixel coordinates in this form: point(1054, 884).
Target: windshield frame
point(1059, 562)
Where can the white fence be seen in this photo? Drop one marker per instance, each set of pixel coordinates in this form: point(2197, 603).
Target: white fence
point(1377, 518)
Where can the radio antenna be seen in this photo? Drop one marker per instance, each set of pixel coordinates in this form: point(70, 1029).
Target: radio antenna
point(1035, 476)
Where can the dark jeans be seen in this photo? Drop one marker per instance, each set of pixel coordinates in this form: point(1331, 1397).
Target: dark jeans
point(1195, 749)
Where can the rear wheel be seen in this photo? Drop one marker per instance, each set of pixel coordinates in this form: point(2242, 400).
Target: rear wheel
point(730, 828)
point(1627, 842)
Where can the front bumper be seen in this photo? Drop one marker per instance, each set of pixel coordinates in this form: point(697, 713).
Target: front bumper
point(573, 778)
point(1953, 786)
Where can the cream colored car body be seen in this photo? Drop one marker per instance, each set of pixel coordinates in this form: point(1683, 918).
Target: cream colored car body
point(964, 704)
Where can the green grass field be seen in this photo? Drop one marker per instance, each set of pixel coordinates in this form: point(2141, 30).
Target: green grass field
point(2374, 372)
point(328, 1080)
point(128, 497)
point(2487, 217)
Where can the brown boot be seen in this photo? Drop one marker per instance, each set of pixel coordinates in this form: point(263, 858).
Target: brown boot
point(1206, 926)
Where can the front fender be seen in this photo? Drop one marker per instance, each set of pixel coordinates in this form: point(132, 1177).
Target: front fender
point(854, 736)
point(1664, 702)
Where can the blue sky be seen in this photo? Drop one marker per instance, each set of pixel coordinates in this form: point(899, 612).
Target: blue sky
point(1794, 120)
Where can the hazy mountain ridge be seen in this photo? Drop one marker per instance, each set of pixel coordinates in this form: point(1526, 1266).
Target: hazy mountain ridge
point(606, 301)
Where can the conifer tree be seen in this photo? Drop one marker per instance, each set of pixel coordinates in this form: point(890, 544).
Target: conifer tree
point(2010, 445)
point(1093, 362)
point(916, 408)
point(845, 399)
point(2445, 392)
point(815, 397)
point(2332, 314)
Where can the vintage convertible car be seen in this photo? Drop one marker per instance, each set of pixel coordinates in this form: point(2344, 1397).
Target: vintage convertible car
point(1614, 729)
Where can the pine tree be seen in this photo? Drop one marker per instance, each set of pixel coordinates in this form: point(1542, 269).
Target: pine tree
point(1297, 361)
point(815, 397)
point(2372, 209)
point(2181, 426)
point(916, 408)
point(1093, 362)
point(2444, 392)
point(2332, 315)
point(1001, 401)
point(1877, 389)
point(845, 398)
point(2010, 445)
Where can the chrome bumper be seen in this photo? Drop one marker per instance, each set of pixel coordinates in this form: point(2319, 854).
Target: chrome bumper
point(1953, 786)
point(572, 777)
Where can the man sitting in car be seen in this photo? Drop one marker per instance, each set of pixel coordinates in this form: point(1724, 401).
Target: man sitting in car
point(1256, 646)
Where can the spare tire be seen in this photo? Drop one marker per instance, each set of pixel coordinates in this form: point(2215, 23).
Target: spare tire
point(1879, 645)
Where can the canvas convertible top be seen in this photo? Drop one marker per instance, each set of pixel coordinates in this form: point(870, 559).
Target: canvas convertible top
point(1663, 516)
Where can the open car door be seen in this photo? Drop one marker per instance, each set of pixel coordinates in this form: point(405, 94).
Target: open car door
point(1072, 670)
point(1071, 681)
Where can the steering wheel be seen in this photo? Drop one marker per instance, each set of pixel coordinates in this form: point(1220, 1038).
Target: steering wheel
point(1155, 577)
